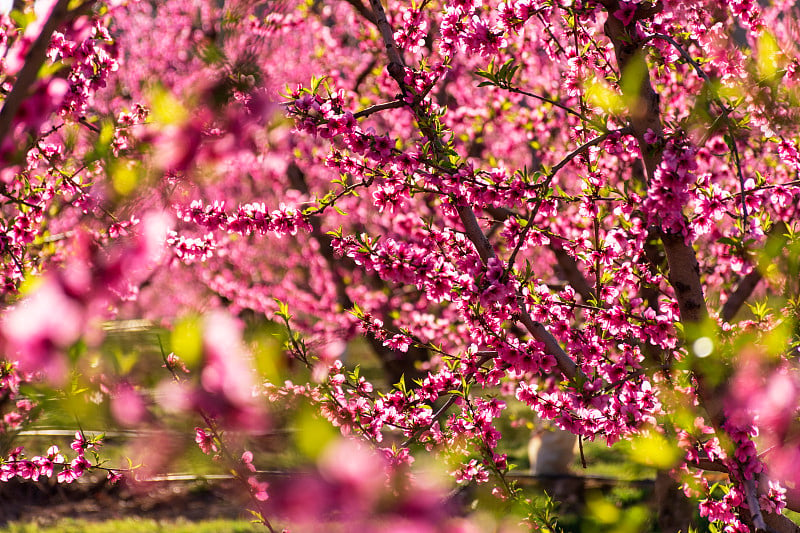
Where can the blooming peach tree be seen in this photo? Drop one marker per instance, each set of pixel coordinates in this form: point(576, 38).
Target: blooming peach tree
point(589, 208)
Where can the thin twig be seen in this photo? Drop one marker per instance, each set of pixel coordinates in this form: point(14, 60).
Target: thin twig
point(394, 104)
point(551, 102)
point(472, 229)
point(748, 283)
point(743, 291)
point(14, 199)
point(238, 475)
point(680, 50)
point(89, 125)
point(546, 184)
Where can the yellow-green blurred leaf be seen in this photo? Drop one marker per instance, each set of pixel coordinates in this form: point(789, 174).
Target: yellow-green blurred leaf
point(599, 94)
point(125, 176)
point(777, 339)
point(124, 361)
point(767, 58)
point(653, 449)
point(631, 82)
point(165, 109)
point(312, 433)
point(268, 353)
point(187, 340)
point(603, 511)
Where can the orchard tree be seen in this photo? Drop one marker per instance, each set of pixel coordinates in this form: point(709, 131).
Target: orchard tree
point(587, 207)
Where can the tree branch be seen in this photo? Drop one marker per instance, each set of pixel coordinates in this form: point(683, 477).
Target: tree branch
point(388, 38)
point(30, 69)
point(471, 227)
point(546, 184)
point(572, 273)
point(684, 271)
point(362, 10)
point(748, 284)
point(743, 291)
point(394, 104)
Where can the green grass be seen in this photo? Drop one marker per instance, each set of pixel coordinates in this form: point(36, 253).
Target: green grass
point(133, 525)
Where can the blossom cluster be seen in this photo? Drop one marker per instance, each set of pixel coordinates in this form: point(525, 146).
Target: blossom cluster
point(247, 220)
point(52, 463)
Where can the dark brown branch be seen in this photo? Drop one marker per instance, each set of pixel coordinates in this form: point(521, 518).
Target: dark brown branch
point(684, 276)
point(780, 524)
point(89, 125)
point(748, 284)
point(392, 51)
point(30, 69)
point(362, 10)
point(777, 523)
point(708, 464)
point(475, 234)
point(682, 52)
point(394, 104)
point(536, 329)
point(396, 364)
point(751, 495)
point(540, 333)
point(684, 271)
point(473, 231)
point(13, 198)
point(743, 291)
point(572, 273)
point(643, 11)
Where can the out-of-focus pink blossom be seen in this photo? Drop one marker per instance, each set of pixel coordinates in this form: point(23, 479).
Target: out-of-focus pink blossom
point(40, 329)
point(127, 405)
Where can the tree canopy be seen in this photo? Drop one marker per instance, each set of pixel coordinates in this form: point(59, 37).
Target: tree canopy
point(589, 208)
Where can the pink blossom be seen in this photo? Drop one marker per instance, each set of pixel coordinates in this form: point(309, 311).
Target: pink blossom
point(205, 440)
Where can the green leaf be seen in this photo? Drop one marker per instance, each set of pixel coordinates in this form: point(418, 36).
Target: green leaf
point(401, 385)
point(283, 310)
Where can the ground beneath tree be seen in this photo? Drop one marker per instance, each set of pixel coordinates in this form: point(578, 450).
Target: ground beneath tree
point(44, 503)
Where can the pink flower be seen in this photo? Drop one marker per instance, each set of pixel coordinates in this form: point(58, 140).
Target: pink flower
point(67, 475)
point(258, 489)
point(227, 379)
point(625, 13)
point(41, 328)
point(247, 459)
point(127, 406)
point(205, 441)
point(80, 465)
point(79, 443)
point(472, 471)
